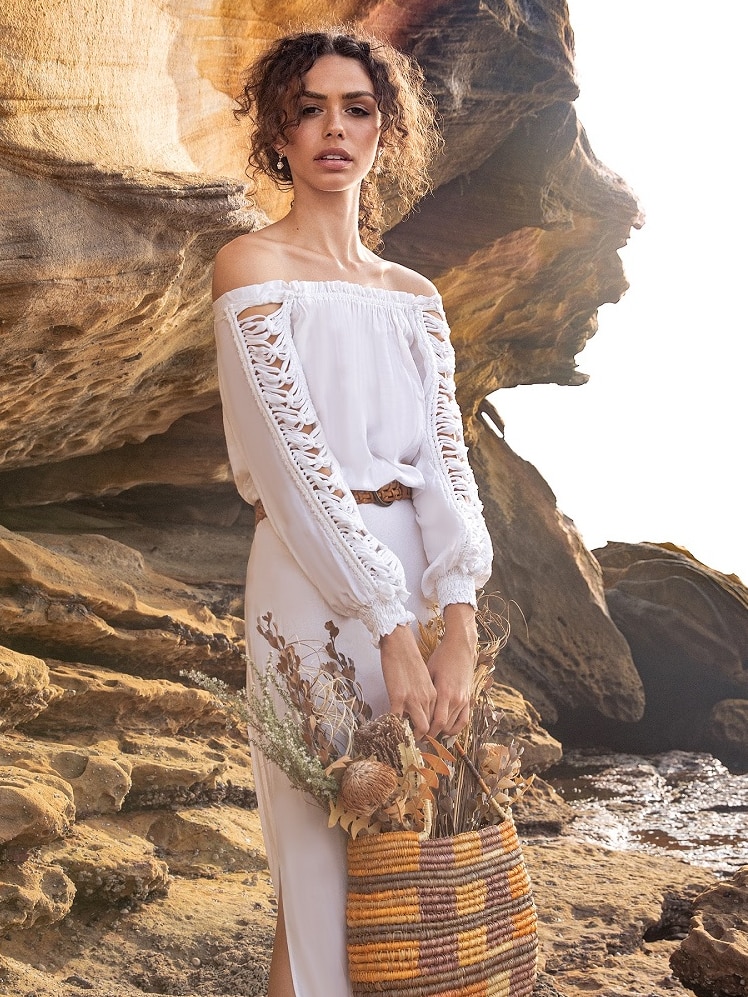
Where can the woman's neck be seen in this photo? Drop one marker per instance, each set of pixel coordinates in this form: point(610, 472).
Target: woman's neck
point(326, 225)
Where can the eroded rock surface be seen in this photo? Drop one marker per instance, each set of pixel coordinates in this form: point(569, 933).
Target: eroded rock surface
point(24, 687)
point(34, 807)
point(713, 960)
point(108, 862)
point(106, 305)
point(96, 600)
point(99, 779)
point(33, 893)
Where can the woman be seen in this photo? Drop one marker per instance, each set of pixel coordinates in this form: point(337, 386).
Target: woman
point(336, 378)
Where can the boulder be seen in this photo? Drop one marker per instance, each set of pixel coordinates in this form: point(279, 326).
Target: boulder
point(107, 863)
point(99, 780)
point(687, 626)
point(727, 729)
point(33, 893)
point(24, 688)
point(522, 722)
point(34, 807)
point(564, 652)
point(713, 960)
point(542, 811)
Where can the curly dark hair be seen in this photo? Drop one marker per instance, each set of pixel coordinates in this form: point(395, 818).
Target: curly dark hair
point(409, 139)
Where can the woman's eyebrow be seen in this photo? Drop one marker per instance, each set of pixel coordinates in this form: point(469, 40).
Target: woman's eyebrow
point(353, 95)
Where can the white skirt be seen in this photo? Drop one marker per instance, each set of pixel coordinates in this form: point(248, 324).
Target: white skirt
point(307, 859)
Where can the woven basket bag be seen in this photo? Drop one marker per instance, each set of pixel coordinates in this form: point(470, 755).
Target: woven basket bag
point(443, 917)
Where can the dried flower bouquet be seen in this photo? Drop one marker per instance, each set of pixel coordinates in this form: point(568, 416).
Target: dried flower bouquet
point(369, 773)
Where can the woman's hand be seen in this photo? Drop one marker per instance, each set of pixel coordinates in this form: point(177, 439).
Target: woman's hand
point(452, 667)
point(407, 679)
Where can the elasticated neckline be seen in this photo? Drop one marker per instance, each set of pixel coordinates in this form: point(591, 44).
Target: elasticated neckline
point(281, 290)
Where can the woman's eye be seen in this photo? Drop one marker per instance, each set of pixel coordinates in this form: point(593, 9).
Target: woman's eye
point(359, 111)
point(309, 109)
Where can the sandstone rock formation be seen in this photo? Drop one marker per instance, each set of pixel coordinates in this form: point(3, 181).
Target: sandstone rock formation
point(96, 600)
point(88, 786)
point(116, 790)
point(24, 687)
point(713, 960)
point(106, 289)
point(106, 313)
point(687, 626)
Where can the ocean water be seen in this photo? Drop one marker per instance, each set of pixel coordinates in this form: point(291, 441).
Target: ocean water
point(682, 804)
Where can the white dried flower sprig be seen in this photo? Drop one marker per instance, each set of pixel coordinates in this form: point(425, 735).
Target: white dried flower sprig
point(279, 738)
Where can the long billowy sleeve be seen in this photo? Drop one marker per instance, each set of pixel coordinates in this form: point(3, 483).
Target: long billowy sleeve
point(456, 540)
point(278, 452)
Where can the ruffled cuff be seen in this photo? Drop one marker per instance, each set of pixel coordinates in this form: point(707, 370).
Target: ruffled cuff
point(382, 616)
point(455, 586)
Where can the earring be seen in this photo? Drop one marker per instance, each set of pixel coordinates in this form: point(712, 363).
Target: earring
point(279, 164)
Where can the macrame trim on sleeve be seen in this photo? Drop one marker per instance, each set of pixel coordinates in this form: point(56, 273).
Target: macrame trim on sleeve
point(474, 557)
point(276, 376)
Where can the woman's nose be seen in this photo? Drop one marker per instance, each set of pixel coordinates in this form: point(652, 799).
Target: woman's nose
point(334, 125)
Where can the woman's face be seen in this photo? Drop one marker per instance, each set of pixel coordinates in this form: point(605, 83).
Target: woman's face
point(335, 144)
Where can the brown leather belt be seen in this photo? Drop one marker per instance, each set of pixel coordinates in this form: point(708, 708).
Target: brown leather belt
point(384, 496)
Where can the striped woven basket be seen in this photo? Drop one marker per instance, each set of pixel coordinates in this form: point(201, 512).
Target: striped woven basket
point(444, 917)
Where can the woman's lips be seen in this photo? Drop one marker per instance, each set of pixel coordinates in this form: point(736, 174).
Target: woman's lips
point(334, 158)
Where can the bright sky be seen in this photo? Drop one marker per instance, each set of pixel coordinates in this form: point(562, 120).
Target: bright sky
point(654, 446)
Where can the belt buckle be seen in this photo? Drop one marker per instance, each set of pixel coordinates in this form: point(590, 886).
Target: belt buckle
point(386, 495)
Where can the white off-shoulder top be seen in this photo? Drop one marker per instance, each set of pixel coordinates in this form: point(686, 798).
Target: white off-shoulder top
point(343, 386)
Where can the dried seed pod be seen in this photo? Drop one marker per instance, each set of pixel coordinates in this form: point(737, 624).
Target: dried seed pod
point(366, 785)
point(381, 738)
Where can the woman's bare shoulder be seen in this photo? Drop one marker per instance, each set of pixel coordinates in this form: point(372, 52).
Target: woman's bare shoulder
point(400, 278)
point(252, 258)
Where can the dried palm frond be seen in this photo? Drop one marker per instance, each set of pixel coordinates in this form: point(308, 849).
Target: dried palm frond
point(430, 634)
